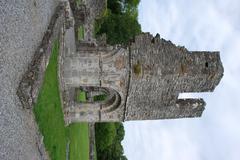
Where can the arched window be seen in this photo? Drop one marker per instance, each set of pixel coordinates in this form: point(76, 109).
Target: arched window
point(206, 64)
point(108, 98)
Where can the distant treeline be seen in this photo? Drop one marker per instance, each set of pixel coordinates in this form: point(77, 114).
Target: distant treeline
point(119, 21)
point(108, 141)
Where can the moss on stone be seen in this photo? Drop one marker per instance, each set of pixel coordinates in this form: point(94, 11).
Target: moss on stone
point(137, 68)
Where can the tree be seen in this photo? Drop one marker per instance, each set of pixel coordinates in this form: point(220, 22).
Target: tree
point(120, 24)
point(105, 149)
point(115, 6)
point(105, 134)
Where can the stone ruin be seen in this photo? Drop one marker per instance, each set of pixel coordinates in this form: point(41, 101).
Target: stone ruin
point(140, 82)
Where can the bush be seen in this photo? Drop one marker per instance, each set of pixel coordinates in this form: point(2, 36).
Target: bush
point(105, 134)
point(120, 23)
point(100, 97)
point(108, 141)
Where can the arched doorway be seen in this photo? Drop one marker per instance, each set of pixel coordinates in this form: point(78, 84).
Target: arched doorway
point(108, 98)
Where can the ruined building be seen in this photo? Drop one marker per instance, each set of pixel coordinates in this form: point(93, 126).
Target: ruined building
point(140, 82)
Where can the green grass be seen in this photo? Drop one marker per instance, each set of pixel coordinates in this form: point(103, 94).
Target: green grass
point(48, 111)
point(49, 116)
point(78, 2)
point(79, 141)
point(81, 96)
point(81, 33)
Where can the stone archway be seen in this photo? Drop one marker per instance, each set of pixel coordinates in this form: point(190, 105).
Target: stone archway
point(108, 98)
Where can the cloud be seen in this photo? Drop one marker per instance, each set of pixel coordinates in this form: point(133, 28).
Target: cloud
point(198, 25)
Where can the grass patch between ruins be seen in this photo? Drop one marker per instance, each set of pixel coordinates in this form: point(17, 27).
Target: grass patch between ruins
point(81, 96)
point(81, 33)
point(49, 116)
point(78, 132)
point(48, 111)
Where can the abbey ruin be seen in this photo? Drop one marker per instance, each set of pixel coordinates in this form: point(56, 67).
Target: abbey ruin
point(54, 71)
point(138, 82)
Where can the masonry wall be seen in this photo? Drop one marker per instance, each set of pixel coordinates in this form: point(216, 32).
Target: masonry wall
point(165, 71)
point(145, 78)
point(96, 66)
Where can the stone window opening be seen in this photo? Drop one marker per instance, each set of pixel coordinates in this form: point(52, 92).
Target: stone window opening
point(90, 95)
point(206, 64)
point(96, 95)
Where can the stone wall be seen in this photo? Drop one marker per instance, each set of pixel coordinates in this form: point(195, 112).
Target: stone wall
point(32, 80)
point(85, 15)
point(148, 76)
point(165, 71)
point(22, 26)
point(92, 65)
point(105, 67)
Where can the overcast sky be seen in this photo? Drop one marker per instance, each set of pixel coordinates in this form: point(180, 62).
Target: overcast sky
point(198, 25)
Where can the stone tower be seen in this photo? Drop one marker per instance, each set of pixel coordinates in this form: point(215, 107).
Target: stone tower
point(139, 82)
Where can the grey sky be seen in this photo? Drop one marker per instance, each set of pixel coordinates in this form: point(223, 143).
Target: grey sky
point(197, 25)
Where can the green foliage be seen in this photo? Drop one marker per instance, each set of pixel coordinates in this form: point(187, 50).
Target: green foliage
point(120, 24)
point(108, 141)
point(100, 97)
point(132, 2)
point(122, 6)
point(105, 134)
point(115, 6)
point(120, 131)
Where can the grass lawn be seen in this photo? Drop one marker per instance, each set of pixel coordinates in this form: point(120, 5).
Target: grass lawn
point(49, 116)
point(48, 111)
point(78, 132)
point(80, 33)
point(81, 96)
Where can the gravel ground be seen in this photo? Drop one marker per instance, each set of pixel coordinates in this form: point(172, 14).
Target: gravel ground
point(22, 25)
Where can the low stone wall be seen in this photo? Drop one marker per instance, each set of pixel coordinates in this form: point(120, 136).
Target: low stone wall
point(32, 80)
point(91, 141)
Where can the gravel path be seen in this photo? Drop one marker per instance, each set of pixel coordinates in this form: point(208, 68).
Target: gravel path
point(22, 25)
